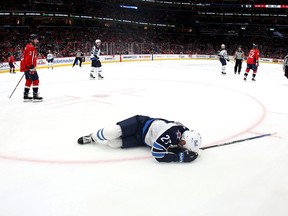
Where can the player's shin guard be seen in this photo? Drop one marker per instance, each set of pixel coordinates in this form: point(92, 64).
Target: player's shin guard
point(26, 90)
point(223, 69)
point(36, 97)
point(35, 86)
point(99, 73)
point(245, 75)
point(111, 134)
point(92, 76)
point(96, 72)
point(26, 96)
point(253, 76)
point(108, 133)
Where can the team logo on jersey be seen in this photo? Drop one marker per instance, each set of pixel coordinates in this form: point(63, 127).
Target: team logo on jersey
point(178, 135)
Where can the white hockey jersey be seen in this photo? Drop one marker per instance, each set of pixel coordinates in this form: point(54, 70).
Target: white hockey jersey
point(50, 56)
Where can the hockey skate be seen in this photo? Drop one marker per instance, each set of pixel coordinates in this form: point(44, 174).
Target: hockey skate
point(91, 76)
point(86, 140)
point(36, 98)
point(245, 78)
point(27, 98)
point(253, 79)
point(100, 76)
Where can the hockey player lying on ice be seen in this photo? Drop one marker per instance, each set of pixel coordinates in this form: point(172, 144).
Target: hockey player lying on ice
point(169, 141)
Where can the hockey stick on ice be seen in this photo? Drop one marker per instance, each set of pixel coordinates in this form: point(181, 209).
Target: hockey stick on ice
point(17, 85)
point(237, 141)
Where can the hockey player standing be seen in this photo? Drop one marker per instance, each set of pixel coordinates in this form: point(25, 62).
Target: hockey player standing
point(285, 66)
point(96, 66)
point(169, 141)
point(50, 59)
point(223, 57)
point(252, 62)
point(11, 61)
point(239, 57)
point(28, 66)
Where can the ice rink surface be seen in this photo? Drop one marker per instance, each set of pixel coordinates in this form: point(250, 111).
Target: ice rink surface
point(44, 172)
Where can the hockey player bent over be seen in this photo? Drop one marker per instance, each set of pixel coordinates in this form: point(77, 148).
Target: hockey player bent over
point(169, 141)
point(252, 62)
point(28, 66)
point(96, 66)
point(223, 57)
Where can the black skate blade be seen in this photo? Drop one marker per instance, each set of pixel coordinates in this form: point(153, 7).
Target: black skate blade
point(37, 101)
point(27, 100)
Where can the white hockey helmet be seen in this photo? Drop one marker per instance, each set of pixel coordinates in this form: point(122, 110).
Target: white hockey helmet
point(193, 140)
point(223, 46)
point(98, 41)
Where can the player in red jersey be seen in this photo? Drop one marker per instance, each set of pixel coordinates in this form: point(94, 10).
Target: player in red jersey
point(28, 66)
point(252, 62)
point(11, 61)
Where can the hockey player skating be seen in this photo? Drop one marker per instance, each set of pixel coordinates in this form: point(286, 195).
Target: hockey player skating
point(285, 66)
point(252, 62)
point(96, 66)
point(169, 141)
point(223, 57)
point(28, 66)
point(239, 57)
point(11, 61)
point(50, 59)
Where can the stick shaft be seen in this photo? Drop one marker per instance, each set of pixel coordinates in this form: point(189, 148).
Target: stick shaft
point(237, 141)
point(17, 85)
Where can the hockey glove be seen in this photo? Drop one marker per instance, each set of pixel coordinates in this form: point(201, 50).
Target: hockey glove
point(187, 156)
point(92, 57)
point(32, 69)
point(257, 64)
